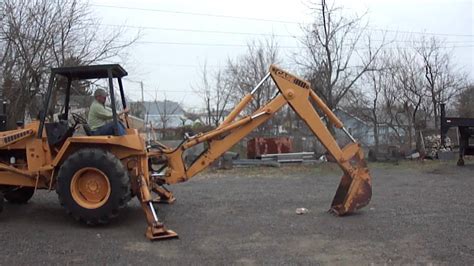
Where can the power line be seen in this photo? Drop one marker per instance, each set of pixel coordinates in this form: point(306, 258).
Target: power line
point(465, 44)
point(246, 45)
point(283, 47)
point(421, 32)
point(200, 31)
point(202, 44)
point(178, 91)
point(167, 91)
point(255, 33)
point(158, 90)
point(195, 14)
point(268, 20)
point(178, 65)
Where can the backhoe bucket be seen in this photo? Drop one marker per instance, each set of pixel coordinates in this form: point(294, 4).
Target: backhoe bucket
point(355, 189)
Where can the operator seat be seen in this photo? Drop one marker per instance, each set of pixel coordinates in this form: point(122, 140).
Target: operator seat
point(58, 132)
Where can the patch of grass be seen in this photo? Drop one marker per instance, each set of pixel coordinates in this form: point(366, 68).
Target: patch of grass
point(421, 165)
point(327, 168)
point(284, 170)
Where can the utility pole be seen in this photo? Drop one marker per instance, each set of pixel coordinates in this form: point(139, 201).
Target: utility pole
point(143, 98)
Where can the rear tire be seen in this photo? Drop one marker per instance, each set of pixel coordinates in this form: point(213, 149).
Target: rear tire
point(93, 186)
point(20, 195)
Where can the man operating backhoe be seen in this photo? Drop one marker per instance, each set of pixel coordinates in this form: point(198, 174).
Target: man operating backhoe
point(100, 118)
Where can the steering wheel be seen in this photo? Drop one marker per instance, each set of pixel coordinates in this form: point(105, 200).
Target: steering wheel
point(78, 119)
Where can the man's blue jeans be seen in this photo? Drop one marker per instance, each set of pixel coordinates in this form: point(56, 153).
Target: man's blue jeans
point(108, 129)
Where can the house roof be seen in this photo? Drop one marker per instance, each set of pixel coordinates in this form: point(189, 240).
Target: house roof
point(162, 107)
point(351, 115)
point(382, 116)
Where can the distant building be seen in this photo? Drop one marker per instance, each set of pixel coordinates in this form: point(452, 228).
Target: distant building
point(210, 119)
point(359, 129)
point(165, 114)
point(363, 131)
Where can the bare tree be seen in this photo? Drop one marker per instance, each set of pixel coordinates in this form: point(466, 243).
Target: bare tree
point(331, 59)
point(464, 105)
point(401, 93)
point(395, 116)
point(393, 95)
point(41, 34)
point(216, 95)
point(367, 102)
point(443, 81)
point(166, 111)
point(245, 71)
point(410, 86)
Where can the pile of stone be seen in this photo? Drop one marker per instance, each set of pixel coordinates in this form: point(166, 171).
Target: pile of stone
point(433, 146)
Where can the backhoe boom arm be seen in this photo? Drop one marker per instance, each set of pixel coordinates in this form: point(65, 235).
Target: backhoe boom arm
point(354, 190)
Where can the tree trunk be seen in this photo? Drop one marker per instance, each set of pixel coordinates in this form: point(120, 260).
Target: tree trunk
point(435, 113)
point(15, 112)
point(376, 137)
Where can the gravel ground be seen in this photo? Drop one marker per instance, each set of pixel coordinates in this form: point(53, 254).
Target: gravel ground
point(420, 213)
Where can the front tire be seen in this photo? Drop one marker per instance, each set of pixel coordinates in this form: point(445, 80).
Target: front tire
point(93, 186)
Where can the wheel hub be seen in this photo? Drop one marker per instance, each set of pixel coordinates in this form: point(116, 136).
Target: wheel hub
point(90, 188)
point(93, 187)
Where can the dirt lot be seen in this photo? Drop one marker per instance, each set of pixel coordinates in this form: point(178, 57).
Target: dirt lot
point(420, 213)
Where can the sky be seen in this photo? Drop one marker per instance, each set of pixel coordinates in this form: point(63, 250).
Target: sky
point(177, 37)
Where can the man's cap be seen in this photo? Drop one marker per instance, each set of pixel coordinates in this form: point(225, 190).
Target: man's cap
point(100, 92)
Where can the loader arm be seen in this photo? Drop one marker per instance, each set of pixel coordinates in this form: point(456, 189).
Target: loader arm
point(354, 190)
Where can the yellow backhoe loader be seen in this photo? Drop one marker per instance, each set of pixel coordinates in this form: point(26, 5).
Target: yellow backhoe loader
point(96, 176)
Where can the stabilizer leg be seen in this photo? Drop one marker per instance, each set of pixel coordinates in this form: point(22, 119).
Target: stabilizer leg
point(155, 230)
